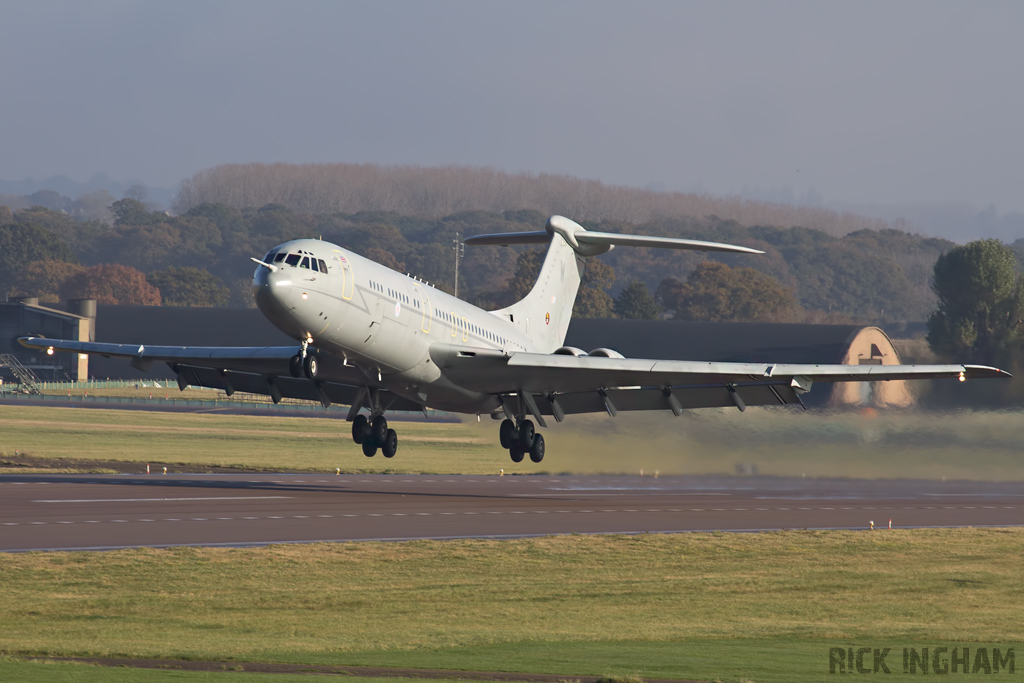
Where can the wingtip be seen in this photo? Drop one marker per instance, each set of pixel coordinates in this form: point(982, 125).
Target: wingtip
point(984, 372)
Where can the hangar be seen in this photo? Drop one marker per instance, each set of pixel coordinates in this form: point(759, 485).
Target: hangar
point(668, 339)
point(25, 316)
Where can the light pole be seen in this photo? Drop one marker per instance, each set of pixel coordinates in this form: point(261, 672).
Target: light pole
point(460, 251)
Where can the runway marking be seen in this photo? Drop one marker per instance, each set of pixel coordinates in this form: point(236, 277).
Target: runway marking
point(472, 512)
point(148, 500)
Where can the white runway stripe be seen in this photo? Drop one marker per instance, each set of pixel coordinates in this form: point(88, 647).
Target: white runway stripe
point(148, 500)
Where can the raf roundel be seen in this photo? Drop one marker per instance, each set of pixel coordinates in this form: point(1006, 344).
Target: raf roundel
point(398, 308)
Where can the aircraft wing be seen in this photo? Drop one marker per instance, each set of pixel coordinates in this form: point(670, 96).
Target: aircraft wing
point(579, 384)
point(250, 369)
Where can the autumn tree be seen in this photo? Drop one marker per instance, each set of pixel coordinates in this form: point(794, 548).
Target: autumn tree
point(111, 284)
point(981, 303)
point(44, 279)
point(715, 292)
point(22, 243)
point(636, 302)
point(593, 300)
point(130, 211)
point(189, 286)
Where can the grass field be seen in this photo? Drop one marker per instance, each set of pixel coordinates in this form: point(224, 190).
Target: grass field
point(11, 669)
point(967, 445)
point(762, 607)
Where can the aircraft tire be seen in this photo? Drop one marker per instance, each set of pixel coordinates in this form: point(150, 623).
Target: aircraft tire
point(379, 429)
point(311, 366)
point(537, 449)
point(369, 448)
point(360, 428)
point(295, 365)
point(390, 445)
point(507, 433)
point(516, 453)
point(526, 433)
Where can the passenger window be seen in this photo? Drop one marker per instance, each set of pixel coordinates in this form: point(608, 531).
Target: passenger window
point(293, 259)
point(305, 262)
point(323, 266)
point(280, 257)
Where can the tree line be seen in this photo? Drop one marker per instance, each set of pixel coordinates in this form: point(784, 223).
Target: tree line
point(201, 257)
point(443, 191)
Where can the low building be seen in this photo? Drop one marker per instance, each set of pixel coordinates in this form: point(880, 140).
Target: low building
point(26, 317)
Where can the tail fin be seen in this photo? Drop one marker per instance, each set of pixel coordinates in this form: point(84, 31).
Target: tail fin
point(544, 314)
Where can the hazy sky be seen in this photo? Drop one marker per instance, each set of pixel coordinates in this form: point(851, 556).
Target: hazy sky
point(884, 102)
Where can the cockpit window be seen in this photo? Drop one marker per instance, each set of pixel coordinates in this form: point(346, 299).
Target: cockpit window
point(315, 267)
point(323, 266)
point(305, 262)
point(293, 259)
point(270, 255)
point(280, 257)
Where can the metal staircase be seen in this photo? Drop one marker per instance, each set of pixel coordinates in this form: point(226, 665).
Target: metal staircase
point(26, 378)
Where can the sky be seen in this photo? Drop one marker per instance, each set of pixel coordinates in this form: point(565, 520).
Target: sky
point(865, 102)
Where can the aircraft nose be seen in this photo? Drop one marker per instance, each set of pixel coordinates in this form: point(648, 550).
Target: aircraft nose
point(274, 292)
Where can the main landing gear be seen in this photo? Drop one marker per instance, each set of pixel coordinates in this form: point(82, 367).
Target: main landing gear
point(304, 364)
point(374, 434)
point(521, 440)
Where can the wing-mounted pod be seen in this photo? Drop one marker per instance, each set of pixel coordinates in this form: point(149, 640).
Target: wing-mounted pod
point(588, 243)
point(570, 351)
point(606, 353)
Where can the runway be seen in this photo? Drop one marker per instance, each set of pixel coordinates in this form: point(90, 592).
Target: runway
point(100, 512)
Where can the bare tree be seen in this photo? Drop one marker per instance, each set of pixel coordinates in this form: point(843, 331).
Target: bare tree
point(442, 191)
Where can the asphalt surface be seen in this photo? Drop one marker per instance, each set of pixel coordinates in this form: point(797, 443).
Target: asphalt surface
point(79, 512)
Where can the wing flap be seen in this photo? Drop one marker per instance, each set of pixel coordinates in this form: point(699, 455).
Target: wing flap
point(656, 399)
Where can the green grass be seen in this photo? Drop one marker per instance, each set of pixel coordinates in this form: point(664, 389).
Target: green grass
point(63, 672)
point(894, 444)
point(259, 442)
point(729, 606)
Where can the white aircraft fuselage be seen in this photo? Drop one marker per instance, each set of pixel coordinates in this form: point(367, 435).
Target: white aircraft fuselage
point(379, 320)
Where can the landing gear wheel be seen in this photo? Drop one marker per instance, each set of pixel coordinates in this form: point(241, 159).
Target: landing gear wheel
point(379, 429)
point(360, 428)
point(526, 432)
point(369, 448)
point(516, 453)
point(507, 433)
point(537, 449)
point(311, 366)
point(390, 445)
point(295, 365)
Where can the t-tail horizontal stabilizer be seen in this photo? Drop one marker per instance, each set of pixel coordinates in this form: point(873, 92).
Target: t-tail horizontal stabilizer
point(587, 243)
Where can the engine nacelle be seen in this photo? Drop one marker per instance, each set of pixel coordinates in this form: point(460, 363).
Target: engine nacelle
point(606, 353)
point(570, 351)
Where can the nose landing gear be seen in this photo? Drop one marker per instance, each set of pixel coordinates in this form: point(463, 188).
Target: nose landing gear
point(521, 440)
